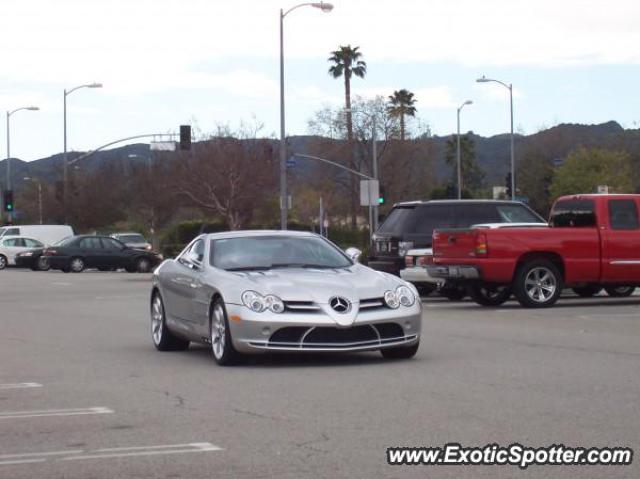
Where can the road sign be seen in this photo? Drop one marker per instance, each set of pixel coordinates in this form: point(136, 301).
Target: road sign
point(163, 146)
point(369, 192)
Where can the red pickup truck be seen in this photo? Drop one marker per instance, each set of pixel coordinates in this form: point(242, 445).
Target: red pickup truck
point(591, 242)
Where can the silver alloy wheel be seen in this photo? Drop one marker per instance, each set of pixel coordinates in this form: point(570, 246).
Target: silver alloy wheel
point(43, 263)
point(77, 265)
point(157, 316)
point(143, 265)
point(3, 262)
point(218, 330)
point(540, 284)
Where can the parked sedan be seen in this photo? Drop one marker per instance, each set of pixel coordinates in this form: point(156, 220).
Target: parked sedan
point(78, 253)
point(34, 259)
point(255, 291)
point(13, 245)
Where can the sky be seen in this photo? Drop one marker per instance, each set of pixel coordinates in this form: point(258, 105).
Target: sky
point(209, 62)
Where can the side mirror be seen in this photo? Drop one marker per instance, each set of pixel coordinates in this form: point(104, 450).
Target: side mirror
point(192, 259)
point(354, 254)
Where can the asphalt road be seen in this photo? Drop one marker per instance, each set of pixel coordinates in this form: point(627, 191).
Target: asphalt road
point(101, 402)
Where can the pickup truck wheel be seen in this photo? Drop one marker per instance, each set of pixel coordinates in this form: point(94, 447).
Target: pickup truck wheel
point(537, 284)
point(588, 290)
point(489, 295)
point(619, 291)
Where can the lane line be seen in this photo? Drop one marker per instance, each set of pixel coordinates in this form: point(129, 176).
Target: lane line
point(20, 385)
point(55, 412)
point(106, 453)
point(148, 451)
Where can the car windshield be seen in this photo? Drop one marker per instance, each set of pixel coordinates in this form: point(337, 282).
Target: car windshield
point(270, 252)
point(135, 238)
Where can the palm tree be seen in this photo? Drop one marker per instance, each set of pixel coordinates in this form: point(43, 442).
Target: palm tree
point(401, 105)
point(347, 62)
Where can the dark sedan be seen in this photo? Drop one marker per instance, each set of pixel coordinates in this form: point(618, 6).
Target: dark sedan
point(78, 253)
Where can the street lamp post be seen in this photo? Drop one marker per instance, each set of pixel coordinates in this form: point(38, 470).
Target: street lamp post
point(28, 178)
point(65, 168)
point(8, 179)
point(513, 170)
point(284, 203)
point(468, 102)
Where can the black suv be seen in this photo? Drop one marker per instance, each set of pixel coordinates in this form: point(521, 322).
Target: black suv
point(410, 225)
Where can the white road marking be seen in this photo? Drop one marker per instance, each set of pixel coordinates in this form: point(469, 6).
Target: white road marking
point(20, 385)
point(106, 453)
point(54, 412)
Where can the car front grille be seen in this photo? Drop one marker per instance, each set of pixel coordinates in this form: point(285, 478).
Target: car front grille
point(368, 304)
point(327, 337)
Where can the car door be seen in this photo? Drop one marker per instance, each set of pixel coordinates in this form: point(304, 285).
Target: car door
point(113, 255)
point(91, 250)
point(621, 241)
point(183, 286)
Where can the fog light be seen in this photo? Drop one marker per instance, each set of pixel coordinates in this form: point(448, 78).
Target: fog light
point(266, 331)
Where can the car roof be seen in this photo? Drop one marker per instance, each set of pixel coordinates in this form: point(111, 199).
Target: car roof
point(453, 202)
point(257, 233)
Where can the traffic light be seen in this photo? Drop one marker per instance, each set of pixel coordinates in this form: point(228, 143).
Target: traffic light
point(508, 185)
point(381, 196)
point(185, 137)
point(8, 201)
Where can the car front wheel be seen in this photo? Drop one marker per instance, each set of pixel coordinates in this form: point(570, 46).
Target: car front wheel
point(401, 352)
point(220, 335)
point(3, 262)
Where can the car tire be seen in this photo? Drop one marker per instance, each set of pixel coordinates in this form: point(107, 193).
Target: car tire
point(143, 265)
point(76, 264)
point(3, 261)
point(538, 284)
point(619, 291)
point(163, 339)
point(489, 295)
point(404, 352)
point(42, 264)
point(587, 291)
point(453, 294)
point(220, 336)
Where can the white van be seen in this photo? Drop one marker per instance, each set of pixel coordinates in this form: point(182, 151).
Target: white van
point(47, 234)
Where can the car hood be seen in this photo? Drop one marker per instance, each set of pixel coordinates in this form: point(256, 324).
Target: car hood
point(319, 285)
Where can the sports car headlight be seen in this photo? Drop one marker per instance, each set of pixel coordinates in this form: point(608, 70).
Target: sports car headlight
point(258, 303)
point(405, 296)
point(391, 299)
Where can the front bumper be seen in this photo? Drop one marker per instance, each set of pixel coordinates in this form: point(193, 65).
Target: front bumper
point(317, 332)
point(454, 273)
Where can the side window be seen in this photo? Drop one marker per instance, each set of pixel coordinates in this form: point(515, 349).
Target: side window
point(9, 242)
point(90, 243)
point(30, 243)
point(109, 243)
point(431, 217)
point(623, 215)
point(573, 214)
point(12, 232)
point(20, 242)
point(197, 248)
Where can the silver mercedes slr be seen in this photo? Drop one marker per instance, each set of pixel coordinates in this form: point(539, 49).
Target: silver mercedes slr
point(254, 291)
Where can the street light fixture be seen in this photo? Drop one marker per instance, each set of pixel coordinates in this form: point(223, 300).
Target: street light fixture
point(9, 113)
point(284, 202)
point(28, 178)
point(468, 102)
point(513, 171)
point(65, 168)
